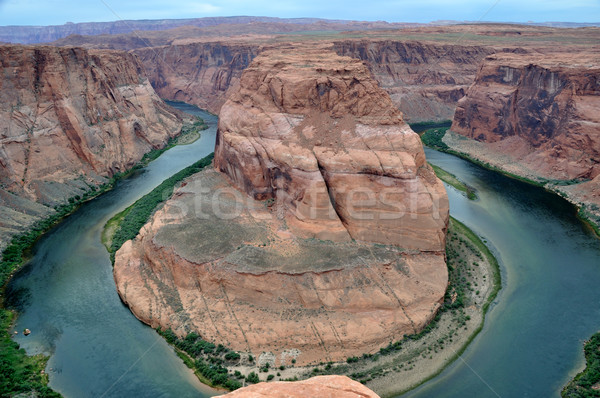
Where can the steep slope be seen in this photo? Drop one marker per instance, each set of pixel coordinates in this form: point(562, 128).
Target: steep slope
point(348, 141)
point(325, 221)
point(69, 118)
point(425, 80)
point(197, 73)
point(541, 109)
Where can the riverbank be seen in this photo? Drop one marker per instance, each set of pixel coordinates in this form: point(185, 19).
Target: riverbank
point(588, 205)
point(19, 372)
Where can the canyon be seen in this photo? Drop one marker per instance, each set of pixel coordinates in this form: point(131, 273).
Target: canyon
point(71, 118)
point(525, 102)
point(297, 259)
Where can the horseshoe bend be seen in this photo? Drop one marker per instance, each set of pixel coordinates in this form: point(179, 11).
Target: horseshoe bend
point(319, 233)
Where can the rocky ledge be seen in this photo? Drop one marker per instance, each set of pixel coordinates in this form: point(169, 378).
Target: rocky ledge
point(320, 386)
point(288, 250)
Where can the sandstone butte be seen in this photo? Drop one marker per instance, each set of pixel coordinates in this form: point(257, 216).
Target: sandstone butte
point(69, 118)
point(541, 114)
point(320, 386)
point(320, 233)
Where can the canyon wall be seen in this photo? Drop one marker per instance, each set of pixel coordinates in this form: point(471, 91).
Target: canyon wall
point(541, 111)
point(69, 118)
point(321, 220)
point(424, 80)
point(196, 73)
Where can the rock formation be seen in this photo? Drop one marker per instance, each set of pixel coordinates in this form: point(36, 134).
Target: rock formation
point(68, 119)
point(261, 257)
point(320, 386)
point(541, 111)
point(318, 135)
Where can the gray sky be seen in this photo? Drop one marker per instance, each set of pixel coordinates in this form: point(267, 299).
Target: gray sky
point(53, 12)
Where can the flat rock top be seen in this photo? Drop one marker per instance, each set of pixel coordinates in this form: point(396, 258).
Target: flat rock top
point(209, 220)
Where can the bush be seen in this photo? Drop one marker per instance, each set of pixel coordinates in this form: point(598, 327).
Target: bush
point(252, 378)
point(433, 138)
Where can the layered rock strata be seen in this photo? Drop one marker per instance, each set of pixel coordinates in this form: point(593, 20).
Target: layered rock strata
point(69, 118)
point(197, 73)
point(314, 132)
point(275, 255)
point(541, 111)
point(424, 80)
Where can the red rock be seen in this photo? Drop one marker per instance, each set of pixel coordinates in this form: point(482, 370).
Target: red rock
point(314, 131)
point(319, 386)
point(70, 117)
point(539, 110)
point(304, 129)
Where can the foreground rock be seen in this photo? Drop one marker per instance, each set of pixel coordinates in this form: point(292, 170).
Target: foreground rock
point(320, 386)
point(69, 118)
point(275, 255)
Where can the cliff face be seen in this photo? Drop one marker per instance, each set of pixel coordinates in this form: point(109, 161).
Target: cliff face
point(424, 80)
point(540, 111)
point(316, 133)
point(260, 256)
point(69, 118)
point(320, 386)
point(197, 73)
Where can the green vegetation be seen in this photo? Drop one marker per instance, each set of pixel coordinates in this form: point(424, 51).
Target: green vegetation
point(19, 373)
point(433, 139)
point(127, 224)
point(207, 360)
point(451, 179)
point(589, 214)
point(587, 383)
point(188, 134)
point(422, 126)
point(459, 295)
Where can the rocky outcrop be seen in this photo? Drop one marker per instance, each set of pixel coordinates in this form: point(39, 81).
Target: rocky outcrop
point(314, 132)
point(424, 80)
point(541, 111)
point(68, 119)
point(320, 386)
point(325, 221)
point(197, 73)
point(226, 266)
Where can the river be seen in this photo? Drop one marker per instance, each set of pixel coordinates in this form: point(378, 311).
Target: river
point(530, 346)
point(67, 296)
point(532, 341)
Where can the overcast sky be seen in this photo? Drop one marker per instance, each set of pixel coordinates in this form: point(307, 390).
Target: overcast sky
point(56, 12)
